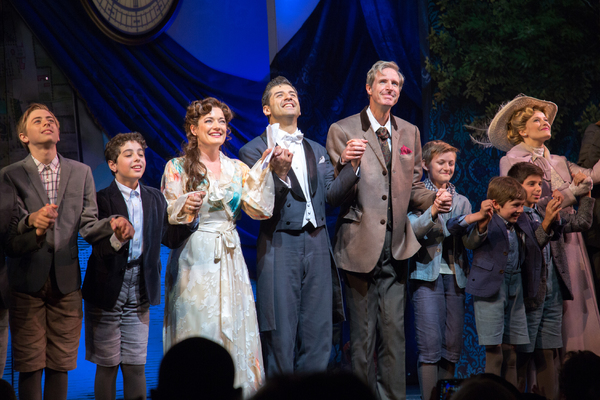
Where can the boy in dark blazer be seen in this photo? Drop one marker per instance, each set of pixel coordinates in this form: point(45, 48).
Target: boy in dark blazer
point(507, 261)
point(56, 202)
point(123, 277)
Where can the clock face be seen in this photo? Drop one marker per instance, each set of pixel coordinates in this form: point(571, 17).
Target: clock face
point(132, 21)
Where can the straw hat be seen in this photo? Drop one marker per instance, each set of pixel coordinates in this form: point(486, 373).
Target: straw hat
point(498, 128)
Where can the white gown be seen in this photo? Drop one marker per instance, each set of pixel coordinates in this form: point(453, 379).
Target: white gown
point(208, 291)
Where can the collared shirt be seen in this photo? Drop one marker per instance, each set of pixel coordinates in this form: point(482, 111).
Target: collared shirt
point(513, 262)
point(50, 176)
point(375, 125)
point(534, 215)
point(300, 170)
point(133, 200)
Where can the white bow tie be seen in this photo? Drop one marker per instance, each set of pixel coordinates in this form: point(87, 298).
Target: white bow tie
point(292, 138)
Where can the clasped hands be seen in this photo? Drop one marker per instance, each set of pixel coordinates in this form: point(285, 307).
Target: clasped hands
point(353, 152)
point(45, 217)
point(281, 161)
point(442, 203)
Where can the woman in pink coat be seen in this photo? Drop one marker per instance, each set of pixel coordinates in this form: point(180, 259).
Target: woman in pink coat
point(521, 128)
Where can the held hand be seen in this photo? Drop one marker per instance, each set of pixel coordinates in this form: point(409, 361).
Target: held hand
point(553, 209)
point(487, 209)
point(281, 162)
point(266, 153)
point(355, 148)
point(123, 229)
point(552, 214)
point(578, 178)
point(558, 195)
point(193, 203)
point(44, 218)
point(443, 201)
point(486, 212)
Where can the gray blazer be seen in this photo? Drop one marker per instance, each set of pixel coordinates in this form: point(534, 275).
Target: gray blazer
point(288, 214)
point(437, 242)
point(77, 213)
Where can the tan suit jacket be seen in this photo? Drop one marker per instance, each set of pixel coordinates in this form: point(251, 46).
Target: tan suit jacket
point(361, 225)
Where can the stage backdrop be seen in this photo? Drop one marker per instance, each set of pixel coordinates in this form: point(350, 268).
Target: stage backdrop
point(147, 88)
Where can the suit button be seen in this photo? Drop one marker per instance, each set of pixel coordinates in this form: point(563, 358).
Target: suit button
point(505, 253)
point(384, 173)
point(382, 222)
point(289, 205)
point(501, 271)
point(287, 223)
point(384, 197)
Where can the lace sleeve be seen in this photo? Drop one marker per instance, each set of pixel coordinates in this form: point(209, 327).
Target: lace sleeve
point(258, 191)
point(172, 183)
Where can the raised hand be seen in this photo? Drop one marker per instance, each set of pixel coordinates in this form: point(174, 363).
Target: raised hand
point(44, 218)
point(355, 148)
point(558, 195)
point(485, 214)
point(193, 203)
point(552, 213)
point(122, 228)
point(281, 162)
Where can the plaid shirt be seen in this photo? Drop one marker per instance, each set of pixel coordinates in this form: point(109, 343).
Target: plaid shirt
point(50, 176)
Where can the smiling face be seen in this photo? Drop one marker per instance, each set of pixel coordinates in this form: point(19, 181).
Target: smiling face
point(537, 130)
point(533, 186)
point(283, 104)
point(385, 89)
point(441, 168)
point(130, 165)
point(41, 130)
point(510, 211)
point(211, 129)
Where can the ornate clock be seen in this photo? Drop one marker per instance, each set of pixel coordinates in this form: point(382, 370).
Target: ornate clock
point(132, 21)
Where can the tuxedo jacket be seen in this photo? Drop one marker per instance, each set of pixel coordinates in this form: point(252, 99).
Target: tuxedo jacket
point(288, 214)
point(361, 224)
point(106, 267)
point(77, 213)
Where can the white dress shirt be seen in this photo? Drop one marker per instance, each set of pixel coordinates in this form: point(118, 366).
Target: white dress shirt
point(293, 143)
point(375, 125)
point(133, 200)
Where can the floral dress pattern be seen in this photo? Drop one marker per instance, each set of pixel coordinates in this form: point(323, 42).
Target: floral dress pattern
point(208, 291)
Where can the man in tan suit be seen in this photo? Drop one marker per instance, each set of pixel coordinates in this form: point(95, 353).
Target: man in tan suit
point(373, 238)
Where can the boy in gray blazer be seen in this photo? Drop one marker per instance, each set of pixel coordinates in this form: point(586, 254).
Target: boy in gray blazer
point(57, 200)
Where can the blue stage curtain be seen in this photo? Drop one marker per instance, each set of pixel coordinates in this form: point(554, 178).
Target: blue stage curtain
point(147, 88)
point(329, 57)
point(139, 88)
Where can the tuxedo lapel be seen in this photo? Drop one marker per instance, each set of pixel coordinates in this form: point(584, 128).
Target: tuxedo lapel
point(311, 168)
point(35, 180)
point(65, 173)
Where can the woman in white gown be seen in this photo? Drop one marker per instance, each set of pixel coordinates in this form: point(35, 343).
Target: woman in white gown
point(208, 291)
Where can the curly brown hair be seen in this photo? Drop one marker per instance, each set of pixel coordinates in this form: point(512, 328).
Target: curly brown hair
point(113, 147)
point(518, 121)
point(192, 166)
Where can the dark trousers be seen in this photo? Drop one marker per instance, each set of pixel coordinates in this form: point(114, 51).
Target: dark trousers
point(375, 305)
point(303, 304)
